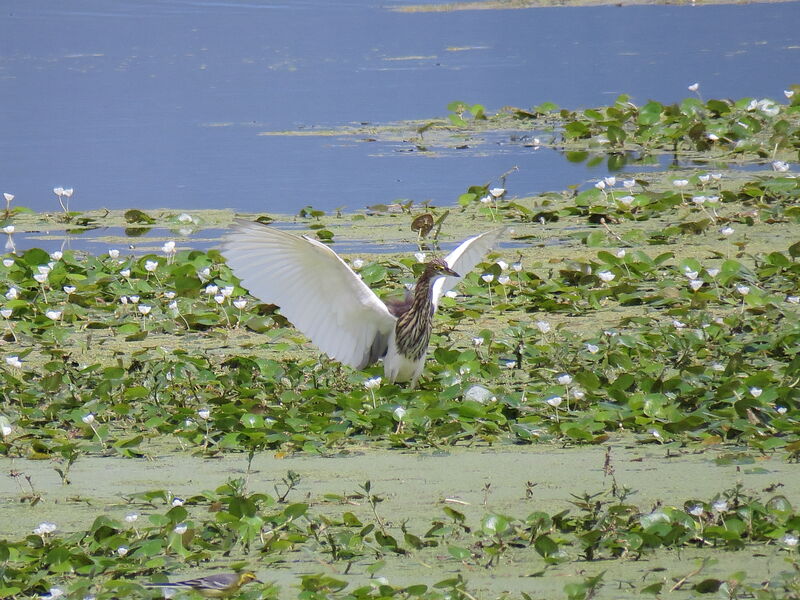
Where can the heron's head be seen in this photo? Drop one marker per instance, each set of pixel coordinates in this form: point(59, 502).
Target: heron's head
point(437, 267)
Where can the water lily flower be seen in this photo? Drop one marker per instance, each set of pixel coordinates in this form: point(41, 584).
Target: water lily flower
point(8, 262)
point(781, 410)
point(88, 419)
point(173, 305)
point(719, 506)
point(626, 200)
point(712, 137)
point(696, 510)
point(122, 550)
point(45, 528)
point(678, 324)
point(227, 291)
point(503, 265)
point(610, 181)
point(150, 265)
point(606, 276)
point(420, 256)
point(477, 341)
point(181, 528)
point(517, 266)
point(56, 255)
point(177, 501)
point(578, 394)
point(628, 183)
point(487, 277)
point(373, 383)
point(67, 192)
point(40, 277)
point(131, 517)
point(58, 191)
point(504, 280)
point(755, 392)
point(704, 178)
point(726, 231)
point(9, 229)
point(780, 166)
point(680, 183)
point(790, 540)
point(600, 185)
point(694, 87)
point(211, 289)
point(55, 592)
point(564, 379)
point(451, 294)
point(53, 315)
point(240, 303)
point(6, 429)
point(113, 253)
point(743, 289)
point(486, 199)
point(185, 218)
point(134, 299)
point(793, 299)
point(219, 298)
point(14, 361)
point(169, 295)
point(168, 247)
point(6, 312)
point(358, 263)
point(144, 309)
point(12, 293)
point(497, 192)
point(554, 401)
point(695, 284)
point(8, 197)
point(592, 348)
point(687, 271)
point(716, 176)
point(204, 413)
point(699, 199)
point(543, 326)
point(399, 413)
point(125, 273)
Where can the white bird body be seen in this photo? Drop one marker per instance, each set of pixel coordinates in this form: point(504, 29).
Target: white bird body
point(327, 301)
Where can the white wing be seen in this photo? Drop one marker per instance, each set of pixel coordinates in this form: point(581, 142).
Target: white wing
point(314, 289)
point(463, 259)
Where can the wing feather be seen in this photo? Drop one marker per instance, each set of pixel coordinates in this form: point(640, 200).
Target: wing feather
point(314, 288)
point(463, 259)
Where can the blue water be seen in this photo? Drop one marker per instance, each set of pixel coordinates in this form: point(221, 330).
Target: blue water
point(123, 100)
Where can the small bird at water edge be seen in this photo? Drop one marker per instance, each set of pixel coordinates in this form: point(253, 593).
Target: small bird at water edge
point(219, 585)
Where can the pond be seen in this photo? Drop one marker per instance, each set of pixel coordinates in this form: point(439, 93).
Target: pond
point(160, 104)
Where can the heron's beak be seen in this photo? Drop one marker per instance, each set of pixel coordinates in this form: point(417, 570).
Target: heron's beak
point(450, 272)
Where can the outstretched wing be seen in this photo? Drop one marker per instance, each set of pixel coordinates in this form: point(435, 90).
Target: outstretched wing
point(314, 289)
point(463, 259)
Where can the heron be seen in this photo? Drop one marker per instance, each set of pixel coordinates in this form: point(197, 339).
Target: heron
point(329, 303)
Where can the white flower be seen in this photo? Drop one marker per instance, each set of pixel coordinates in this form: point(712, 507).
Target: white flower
point(211, 289)
point(790, 540)
point(716, 176)
point(626, 200)
point(122, 550)
point(169, 295)
point(5, 429)
point(45, 528)
point(10, 197)
point(755, 392)
point(358, 263)
point(486, 199)
point(696, 510)
point(743, 289)
point(578, 394)
point(8, 229)
point(69, 289)
point(14, 361)
point(58, 191)
point(420, 256)
point(782, 410)
point(125, 272)
point(694, 87)
point(780, 166)
point(600, 185)
point(564, 379)
point(40, 277)
point(713, 137)
point(787, 93)
point(712, 272)
point(240, 303)
point(620, 253)
point(54, 315)
point(150, 265)
point(487, 277)
point(88, 419)
point(628, 183)
point(504, 280)
point(726, 231)
point(204, 273)
point(610, 181)
point(399, 413)
point(592, 348)
point(177, 501)
point(204, 413)
point(184, 218)
point(173, 305)
point(554, 401)
point(497, 192)
point(678, 324)
point(54, 593)
point(477, 341)
point(168, 247)
point(695, 284)
point(699, 199)
point(606, 276)
point(227, 291)
point(56, 255)
point(134, 299)
point(144, 309)
point(181, 529)
point(687, 271)
point(517, 266)
point(131, 517)
point(219, 298)
point(372, 383)
point(6, 312)
point(719, 506)
point(8, 262)
point(717, 366)
point(680, 183)
point(543, 326)
point(12, 293)
point(451, 294)
point(502, 264)
point(655, 433)
point(123, 299)
point(68, 192)
point(705, 178)
point(793, 299)
point(113, 253)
